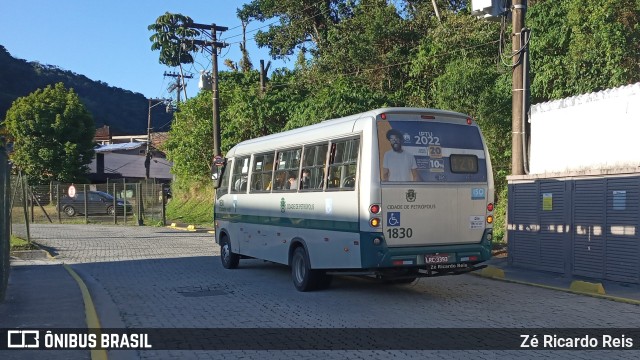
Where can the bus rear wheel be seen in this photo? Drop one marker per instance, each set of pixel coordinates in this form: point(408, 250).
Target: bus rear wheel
point(230, 260)
point(305, 279)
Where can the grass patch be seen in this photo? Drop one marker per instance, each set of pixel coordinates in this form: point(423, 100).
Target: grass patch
point(17, 243)
point(193, 206)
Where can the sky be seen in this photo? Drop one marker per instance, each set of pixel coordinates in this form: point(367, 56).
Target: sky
point(108, 41)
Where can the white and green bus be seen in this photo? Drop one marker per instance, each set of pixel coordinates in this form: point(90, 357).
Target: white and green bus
point(395, 193)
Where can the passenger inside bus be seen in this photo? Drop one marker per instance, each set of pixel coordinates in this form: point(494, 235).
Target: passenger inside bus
point(279, 181)
point(305, 182)
point(292, 183)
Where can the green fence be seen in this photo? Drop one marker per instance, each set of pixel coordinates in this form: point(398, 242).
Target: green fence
point(120, 203)
point(5, 221)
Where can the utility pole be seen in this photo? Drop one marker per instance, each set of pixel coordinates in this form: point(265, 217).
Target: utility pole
point(518, 91)
point(215, 45)
point(179, 84)
point(147, 160)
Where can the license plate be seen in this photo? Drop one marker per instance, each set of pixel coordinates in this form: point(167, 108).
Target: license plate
point(438, 258)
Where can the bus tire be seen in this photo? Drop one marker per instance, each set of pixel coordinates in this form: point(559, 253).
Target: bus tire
point(230, 260)
point(304, 279)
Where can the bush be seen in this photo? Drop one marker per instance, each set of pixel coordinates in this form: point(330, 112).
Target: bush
point(500, 223)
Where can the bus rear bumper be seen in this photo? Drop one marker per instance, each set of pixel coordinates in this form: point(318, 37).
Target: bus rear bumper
point(432, 260)
point(407, 273)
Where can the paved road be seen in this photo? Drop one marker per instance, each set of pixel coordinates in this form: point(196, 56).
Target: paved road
point(147, 277)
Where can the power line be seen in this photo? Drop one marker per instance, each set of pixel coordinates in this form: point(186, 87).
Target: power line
point(404, 62)
point(215, 45)
point(269, 24)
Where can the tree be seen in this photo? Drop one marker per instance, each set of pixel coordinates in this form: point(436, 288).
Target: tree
point(52, 135)
point(247, 113)
point(189, 144)
point(332, 99)
point(580, 46)
point(173, 37)
point(301, 22)
point(372, 45)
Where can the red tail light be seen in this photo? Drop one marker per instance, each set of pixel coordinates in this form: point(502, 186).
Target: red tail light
point(490, 207)
point(375, 208)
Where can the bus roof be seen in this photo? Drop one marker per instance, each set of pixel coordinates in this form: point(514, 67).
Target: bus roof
point(325, 129)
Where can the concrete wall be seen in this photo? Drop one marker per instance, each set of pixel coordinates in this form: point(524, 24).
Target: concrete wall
point(590, 131)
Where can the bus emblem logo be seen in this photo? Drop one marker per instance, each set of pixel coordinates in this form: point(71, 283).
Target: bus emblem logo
point(393, 218)
point(411, 195)
point(283, 205)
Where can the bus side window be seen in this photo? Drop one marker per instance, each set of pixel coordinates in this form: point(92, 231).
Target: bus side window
point(239, 177)
point(287, 169)
point(224, 182)
point(343, 164)
point(261, 173)
point(314, 160)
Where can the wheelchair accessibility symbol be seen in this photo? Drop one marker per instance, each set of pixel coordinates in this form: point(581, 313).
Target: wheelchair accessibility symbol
point(393, 218)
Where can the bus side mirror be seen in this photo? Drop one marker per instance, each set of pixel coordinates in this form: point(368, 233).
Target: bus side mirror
point(217, 170)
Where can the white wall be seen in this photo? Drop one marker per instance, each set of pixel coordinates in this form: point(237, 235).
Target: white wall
point(591, 131)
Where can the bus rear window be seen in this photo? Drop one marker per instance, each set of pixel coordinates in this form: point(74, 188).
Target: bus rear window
point(464, 164)
point(430, 151)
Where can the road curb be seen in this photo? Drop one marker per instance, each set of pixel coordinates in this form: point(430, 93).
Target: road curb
point(587, 287)
point(91, 315)
point(186, 228)
point(31, 254)
point(492, 272)
point(592, 294)
point(192, 228)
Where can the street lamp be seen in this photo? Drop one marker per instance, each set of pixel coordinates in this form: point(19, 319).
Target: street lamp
point(147, 160)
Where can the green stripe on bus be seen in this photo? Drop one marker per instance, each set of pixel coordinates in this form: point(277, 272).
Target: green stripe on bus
point(315, 224)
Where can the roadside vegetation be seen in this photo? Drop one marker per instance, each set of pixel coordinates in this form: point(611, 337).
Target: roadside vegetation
point(17, 244)
point(192, 205)
point(354, 56)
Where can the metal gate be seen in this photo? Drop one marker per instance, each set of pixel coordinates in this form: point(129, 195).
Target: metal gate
point(587, 226)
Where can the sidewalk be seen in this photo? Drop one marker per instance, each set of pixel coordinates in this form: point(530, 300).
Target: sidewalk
point(42, 294)
point(37, 295)
point(498, 268)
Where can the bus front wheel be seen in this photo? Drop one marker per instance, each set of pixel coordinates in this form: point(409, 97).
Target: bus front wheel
point(304, 279)
point(229, 259)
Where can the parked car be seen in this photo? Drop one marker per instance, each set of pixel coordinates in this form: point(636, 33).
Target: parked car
point(98, 202)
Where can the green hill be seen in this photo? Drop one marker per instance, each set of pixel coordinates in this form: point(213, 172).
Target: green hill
point(125, 112)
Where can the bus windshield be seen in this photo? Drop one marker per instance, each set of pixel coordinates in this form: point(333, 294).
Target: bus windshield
point(429, 151)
